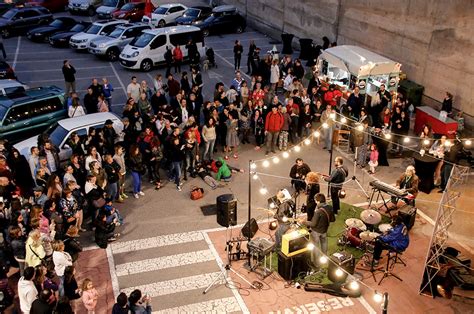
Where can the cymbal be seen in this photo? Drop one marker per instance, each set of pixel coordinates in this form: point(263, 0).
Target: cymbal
point(385, 227)
point(356, 223)
point(370, 216)
point(368, 236)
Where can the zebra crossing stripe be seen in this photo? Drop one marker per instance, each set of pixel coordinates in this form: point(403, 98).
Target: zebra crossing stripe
point(224, 305)
point(158, 241)
point(177, 285)
point(164, 262)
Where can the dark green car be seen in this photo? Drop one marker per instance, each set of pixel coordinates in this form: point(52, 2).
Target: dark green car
point(29, 113)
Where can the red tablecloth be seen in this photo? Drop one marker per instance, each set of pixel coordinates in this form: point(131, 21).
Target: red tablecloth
point(427, 115)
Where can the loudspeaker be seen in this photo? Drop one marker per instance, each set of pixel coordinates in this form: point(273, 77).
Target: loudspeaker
point(226, 210)
point(250, 228)
point(290, 266)
point(408, 214)
point(342, 260)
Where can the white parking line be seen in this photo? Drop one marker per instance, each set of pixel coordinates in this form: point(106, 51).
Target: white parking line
point(16, 51)
point(232, 65)
point(49, 60)
point(38, 52)
point(119, 79)
point(58, 70)
point(77, 79)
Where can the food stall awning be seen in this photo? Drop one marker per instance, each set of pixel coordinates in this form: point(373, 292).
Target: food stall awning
point(359, 61)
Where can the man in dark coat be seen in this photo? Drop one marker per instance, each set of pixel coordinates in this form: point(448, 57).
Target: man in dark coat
point(69, 78)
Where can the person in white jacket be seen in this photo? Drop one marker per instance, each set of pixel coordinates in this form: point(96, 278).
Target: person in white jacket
point(27, 292)
point(61, 260)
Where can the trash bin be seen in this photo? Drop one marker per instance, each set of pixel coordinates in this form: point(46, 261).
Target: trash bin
point(287, 39)
point(306, 45)
point(411, 91)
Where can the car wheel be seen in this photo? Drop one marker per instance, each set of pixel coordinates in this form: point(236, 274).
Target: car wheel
point(91, 11)
point(205, 32)
point(239, 29)
point(161, 23)
point(5, 33)
point(146, 65)
point(113, 54)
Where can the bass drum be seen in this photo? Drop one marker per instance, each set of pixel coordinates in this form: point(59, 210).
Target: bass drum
point(353, 236)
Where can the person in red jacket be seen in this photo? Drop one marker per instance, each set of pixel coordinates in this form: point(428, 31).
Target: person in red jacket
point(331, 97)
point(273, 125)
point(177, 59)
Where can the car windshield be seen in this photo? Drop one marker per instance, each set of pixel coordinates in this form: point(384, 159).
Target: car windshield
point(56, 23)
point(128, 7)
point(93, 29)
point(56, 134)
point(116, 33)
point(110, 3)
point(77, 28)
point(3, 111)
point(161, 10)
point(142, 40)
point(191, 12)
point(9, 14)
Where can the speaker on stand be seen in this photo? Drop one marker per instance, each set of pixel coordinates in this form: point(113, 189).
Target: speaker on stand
point(226, 210)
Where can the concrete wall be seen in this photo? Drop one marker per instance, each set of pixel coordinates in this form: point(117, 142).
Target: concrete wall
point(433, 39)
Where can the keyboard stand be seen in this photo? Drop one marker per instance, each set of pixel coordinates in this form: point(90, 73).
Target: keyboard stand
point(379, 195)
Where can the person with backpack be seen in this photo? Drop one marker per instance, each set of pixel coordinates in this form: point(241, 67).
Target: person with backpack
point(319, 225)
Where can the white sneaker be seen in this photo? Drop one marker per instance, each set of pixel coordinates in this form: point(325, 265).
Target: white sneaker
point(141, 193)
point(178, 188)
point(136, 195)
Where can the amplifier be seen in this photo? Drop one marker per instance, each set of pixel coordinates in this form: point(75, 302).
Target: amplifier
point(295, 242)
point(290, 266)
point(343, 260)
point(408, 213)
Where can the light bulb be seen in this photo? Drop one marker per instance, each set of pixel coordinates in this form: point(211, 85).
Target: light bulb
point(276, 160)
point(325, 125)
point(354, 285)
point(263, 190)
point(310, 246)
point(272, 205)
point(388, 136)
point(316, 134)
point(297, 148)
point(307, 141)
point(284, 219)
point(360, 128)
point(286, 155)
point(255, 176)
point(339, 272)
point(447, 143)
point(266, 163)
point(468, 142)
point(426, 142)
point(378, 297)
point(332, 115)
point(323, 260)
point(343, 120)
point(406, 140)
point(253, 165)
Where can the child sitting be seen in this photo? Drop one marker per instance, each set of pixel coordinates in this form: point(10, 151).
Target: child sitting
point(112, 213)
point(223, 172)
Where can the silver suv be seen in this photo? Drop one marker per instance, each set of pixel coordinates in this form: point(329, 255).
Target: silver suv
point(81, 40)
point(84, 6)
point(112, 44)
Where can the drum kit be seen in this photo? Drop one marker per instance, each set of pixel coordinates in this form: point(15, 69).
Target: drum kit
point(360, 233)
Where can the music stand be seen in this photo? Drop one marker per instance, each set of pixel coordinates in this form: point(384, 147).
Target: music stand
point(225, 271)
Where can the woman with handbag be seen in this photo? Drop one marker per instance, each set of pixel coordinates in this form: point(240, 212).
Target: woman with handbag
point(34, 249)
point(137, 169)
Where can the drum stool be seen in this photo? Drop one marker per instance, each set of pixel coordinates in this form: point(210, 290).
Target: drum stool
point(393, 258)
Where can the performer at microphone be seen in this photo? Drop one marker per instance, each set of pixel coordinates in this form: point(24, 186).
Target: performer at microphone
point(312, 188)
point(285, 211)
point(298, 173)
point(336, 179)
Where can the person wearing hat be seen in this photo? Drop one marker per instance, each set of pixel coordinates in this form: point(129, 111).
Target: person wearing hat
point(273, 125)
point(38, 196)
point(109, 136)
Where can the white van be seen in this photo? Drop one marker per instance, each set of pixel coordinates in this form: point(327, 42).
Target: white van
point(148, 49)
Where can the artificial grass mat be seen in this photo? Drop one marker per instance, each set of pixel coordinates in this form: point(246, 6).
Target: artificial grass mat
point(335, 231)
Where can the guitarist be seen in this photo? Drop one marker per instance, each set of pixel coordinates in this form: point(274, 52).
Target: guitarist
point(336, 179)
point(319, 225)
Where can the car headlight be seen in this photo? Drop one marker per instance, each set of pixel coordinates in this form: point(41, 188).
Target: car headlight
point(38, 34)
point(85, 5)
point(83, 41)
point(108, 12)
point(121, 16)
point(62, 39)
point(135, 54)
point(101, 45)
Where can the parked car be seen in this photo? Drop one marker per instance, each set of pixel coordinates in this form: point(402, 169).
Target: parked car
point(59, 24)
point(108, 7)
point(61, 39)
point(81, 40)
point(194, 14)
point(51, 5)
point(84, 6)
point(60, 131)
point(148, 49)
point(132, 11)
point(19, 20)
point(224, 19)
point(12, 88)
point(165, 14)
point(112, 44)
point(6, 71)
point(33, 112)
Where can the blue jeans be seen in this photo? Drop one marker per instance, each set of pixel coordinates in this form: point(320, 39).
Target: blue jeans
point(209, 147)
point(112, 190)
point(137, 182)
point(175, 172)
point(282, 229)
point(320, 242)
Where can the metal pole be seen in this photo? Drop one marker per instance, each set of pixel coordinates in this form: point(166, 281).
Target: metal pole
point(250, 206)
point(330, 158)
